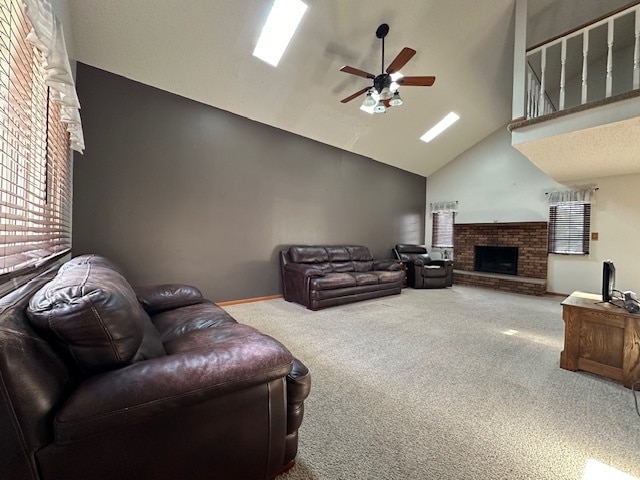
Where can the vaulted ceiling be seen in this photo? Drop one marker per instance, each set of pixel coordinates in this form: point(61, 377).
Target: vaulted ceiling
point(202, 50)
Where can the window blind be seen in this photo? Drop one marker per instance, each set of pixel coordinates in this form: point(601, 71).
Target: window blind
point(442, 230)
point(569, 228)
point(35, 178)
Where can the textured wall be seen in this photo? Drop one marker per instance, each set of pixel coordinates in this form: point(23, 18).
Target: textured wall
point(174, 190)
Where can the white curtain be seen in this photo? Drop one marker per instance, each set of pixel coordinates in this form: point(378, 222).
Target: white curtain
point(581, 194)
point(47, 36)
point(444, 207)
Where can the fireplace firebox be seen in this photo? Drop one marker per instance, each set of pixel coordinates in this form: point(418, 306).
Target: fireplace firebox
point(496, 259)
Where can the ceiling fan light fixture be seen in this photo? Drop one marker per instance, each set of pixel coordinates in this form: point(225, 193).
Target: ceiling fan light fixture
point(396, 101)
point(386, 94)
point(369, 101)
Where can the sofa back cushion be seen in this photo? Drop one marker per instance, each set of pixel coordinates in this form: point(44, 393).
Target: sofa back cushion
point(308, 254)
point(92, 311)
point(411, 253)
point(334, 258)
point(359, 253)
point(338, 254)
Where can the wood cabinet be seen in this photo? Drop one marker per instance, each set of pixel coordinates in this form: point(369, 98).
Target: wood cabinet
point(600, 338)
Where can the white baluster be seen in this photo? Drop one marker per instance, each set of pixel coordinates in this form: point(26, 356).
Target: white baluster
point(585, 65)
point(529, 112)
point(543, 67)
point(563, 65)
point(609, 58)
point(636, 53)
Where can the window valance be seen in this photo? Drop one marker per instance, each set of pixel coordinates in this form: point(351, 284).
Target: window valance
point(580, 194)
point(444, 207)
point(47, 36)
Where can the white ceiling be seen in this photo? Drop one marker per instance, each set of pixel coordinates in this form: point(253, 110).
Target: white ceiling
point(202, 49)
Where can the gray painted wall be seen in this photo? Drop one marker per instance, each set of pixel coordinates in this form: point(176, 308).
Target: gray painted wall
point(176, 191)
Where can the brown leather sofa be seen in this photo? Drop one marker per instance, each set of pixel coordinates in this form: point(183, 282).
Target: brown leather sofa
point(422, 270)
point(101, 381)
point(324, 276)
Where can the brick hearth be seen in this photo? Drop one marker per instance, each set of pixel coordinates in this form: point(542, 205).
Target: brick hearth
point(529, 237)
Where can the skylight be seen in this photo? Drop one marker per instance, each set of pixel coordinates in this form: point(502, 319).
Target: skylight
point(440, 127)
point(280, 26)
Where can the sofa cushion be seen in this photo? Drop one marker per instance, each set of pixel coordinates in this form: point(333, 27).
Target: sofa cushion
point(415, 257)
point(89, 258)
point(338, 254)
point(92, 311)
point(174, 323)
point(365, 278)
point(389, 276)
point(359, 253)
point(331, 281)
point(408, 248)
point(342, 267)
point(308, 254)
point(363, 266)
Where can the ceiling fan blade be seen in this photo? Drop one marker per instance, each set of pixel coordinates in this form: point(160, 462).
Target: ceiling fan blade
point(416, 81)
point(357, 94)
point(400, 61)
point(356, 71)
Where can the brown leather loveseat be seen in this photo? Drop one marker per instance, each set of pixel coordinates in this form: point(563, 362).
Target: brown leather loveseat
point(101, 381)
point(324, 276)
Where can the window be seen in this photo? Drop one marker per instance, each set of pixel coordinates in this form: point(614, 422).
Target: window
point(569, 228)
point(442, 235)
point(35, 165)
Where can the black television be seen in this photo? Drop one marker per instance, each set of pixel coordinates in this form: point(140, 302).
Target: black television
point(608, 280)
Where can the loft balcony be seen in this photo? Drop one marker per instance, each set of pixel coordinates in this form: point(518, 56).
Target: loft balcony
point(580, 111)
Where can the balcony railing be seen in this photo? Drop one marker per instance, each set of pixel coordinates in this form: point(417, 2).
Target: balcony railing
point(591, 63)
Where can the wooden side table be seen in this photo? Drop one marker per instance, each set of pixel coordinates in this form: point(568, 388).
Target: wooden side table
point(600, 338)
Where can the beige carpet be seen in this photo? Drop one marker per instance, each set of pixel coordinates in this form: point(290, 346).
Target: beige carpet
point(458, 383)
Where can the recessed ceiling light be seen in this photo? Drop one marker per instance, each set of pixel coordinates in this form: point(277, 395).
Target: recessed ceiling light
point(280, 26)
point(440, 127)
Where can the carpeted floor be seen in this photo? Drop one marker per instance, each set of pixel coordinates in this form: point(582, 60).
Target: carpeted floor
point(460, 383)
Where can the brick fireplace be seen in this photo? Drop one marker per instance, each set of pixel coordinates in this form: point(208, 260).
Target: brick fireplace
point(530, 239)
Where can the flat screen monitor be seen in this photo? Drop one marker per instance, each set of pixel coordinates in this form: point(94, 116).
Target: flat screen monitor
point(608, 280)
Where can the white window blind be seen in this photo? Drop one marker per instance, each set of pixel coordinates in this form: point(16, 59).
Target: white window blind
point(442, 231)
point(443, 216)
point(35, 185)
point(569, 228)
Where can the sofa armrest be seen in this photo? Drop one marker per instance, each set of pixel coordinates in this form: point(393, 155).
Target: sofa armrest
point(157, 298)
point(441, 263)
point(387, 265)
point(148, 388)
point(303, 269)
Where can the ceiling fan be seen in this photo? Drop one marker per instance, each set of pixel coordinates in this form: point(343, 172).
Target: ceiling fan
point(379, 96)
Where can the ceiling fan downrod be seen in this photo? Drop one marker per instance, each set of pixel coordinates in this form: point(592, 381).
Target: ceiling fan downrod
point(382, 32)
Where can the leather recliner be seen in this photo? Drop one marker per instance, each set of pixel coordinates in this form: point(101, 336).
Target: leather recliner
point(422, 270)
point(99, 380)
